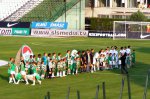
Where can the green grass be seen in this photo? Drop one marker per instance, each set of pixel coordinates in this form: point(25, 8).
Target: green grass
point(85, 82)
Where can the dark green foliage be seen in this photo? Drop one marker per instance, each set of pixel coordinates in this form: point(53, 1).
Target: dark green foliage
point(138, 16)
point(103, 24)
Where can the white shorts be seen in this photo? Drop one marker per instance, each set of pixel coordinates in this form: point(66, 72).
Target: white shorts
point(104, 64)
point(114, 63)
point(34, 74)
point(119, 62)
point(23, 73)
point(12, 72)
point(110, 62)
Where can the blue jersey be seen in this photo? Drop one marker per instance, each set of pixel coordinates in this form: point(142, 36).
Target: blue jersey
point(44, 59)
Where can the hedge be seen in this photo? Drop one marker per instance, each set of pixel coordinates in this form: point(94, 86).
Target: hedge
point(103, 24)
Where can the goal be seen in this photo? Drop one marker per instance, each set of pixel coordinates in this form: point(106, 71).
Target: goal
point(131, 30)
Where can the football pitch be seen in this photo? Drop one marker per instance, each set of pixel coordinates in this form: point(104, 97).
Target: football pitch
point(85, 82)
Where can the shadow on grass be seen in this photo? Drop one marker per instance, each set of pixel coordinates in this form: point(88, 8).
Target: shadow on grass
point(144, 50)
point(4, 77)
point(137, 73)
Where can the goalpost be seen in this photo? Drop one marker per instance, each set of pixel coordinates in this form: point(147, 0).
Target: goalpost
point(131, 30)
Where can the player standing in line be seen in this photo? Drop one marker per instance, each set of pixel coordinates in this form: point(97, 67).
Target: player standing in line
point(58, 68)
point(47, 66)
point(116, 57)
point(109, 61)
point(61, 68)
point(12, 68)
point(44, 58)
point(107, 50)
point(75, 66)
point(34, 58)
point(50, 65)
point(39, 59)
point(88, 61)
point(91, 58)
point(73, 61)
point(23, 73)
point(30, 60)
point(128, 50)
point(83, 62)
point(68, 61)
point(98, 61)
point(43, 70)
point(125, 50)
point(34, 69)
point(78, 69)
point(112, 50)
point(64, 67)
point(54, 58)
point(72, 64)
point(123, 64)
point(101, 60)
point(107, 54)
point(121, 52)
point(112, 57)
point(53, 68)
point(133, 57)
point(104, 62)
point(59, 57)
point(48, 57)
point(128, 61)
point(67, 54)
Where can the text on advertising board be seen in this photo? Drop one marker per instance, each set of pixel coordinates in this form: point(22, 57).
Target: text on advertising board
point(50, 25)
point(48, 32)
point(5, 31)
point(101, 34)
point(20, 31)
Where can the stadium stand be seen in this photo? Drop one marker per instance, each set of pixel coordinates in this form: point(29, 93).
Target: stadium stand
point(34, 10)
point(15, 9)
point(49, 10)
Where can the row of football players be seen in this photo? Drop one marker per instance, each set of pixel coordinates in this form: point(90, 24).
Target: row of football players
point(74, 62)
point(87, 61)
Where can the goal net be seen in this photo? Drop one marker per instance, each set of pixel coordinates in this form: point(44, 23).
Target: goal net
point(131, 30)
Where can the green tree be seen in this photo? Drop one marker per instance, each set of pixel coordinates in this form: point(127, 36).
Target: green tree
point(138, 16)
